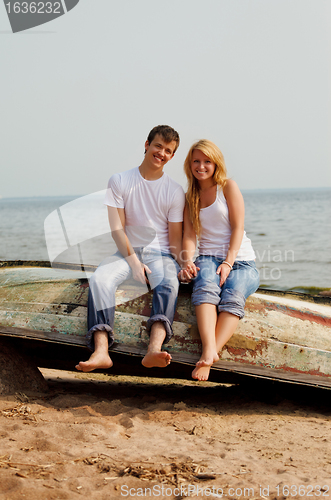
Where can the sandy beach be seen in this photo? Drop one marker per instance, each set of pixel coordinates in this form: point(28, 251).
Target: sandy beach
point(103, 437)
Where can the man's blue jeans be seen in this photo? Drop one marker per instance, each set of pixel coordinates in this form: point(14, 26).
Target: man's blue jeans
point(242, 281)
point(115, 270)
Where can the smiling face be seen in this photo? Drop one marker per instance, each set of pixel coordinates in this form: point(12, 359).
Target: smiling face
point(202, 167)
point(159, 152)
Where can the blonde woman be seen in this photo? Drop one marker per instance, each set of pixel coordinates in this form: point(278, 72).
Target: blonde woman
point(224, 274)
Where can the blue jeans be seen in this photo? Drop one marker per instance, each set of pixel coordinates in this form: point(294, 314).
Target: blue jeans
point(112, 272)
point(242, 281)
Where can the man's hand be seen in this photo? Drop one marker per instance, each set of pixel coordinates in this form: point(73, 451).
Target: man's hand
point(138, 271)
point(188, 272)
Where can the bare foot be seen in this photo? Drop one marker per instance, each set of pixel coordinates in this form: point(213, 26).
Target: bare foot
point(207, 359)
point(97, 360)
point(156, 358)
point(201, 372)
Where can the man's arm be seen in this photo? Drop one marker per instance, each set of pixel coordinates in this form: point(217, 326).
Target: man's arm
point(189, 269)
point(116, 217)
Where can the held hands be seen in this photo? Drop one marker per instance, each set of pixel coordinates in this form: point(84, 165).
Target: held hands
point(189, 272)
point(223, 270)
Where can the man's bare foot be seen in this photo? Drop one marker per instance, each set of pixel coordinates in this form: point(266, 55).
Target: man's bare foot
point(97, 360)
point(156, 358)
point(201, 372)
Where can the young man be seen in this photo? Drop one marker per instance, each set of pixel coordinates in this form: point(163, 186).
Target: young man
point(145, 210)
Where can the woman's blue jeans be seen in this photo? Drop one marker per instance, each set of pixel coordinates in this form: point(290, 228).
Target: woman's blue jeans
point(242, 281)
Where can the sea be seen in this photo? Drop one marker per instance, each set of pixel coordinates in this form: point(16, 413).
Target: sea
point(290, 230)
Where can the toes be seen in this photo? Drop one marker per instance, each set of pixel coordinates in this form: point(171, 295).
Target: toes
point(201, 373)
point(157, 359)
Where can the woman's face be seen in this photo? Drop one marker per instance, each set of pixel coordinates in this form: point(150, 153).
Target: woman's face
point(202, 167)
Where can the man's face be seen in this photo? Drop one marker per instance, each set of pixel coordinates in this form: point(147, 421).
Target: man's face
point(159, 152)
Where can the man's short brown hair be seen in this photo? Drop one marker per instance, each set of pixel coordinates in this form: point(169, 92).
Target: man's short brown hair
point(167, 133)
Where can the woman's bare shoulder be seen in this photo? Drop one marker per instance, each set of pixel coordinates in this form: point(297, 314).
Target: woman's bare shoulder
point(231, 187)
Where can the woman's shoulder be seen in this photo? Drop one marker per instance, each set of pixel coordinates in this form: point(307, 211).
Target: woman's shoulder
point(230, 184)
point(230, 188)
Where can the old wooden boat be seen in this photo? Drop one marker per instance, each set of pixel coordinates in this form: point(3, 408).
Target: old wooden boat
point(284, 336)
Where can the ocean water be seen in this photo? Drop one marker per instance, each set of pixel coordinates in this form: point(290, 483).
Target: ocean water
point(290, 231)
point(291, 234)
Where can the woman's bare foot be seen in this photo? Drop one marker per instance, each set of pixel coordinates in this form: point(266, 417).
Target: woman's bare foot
point(208, 358)
point(201, 372)
point(97, 360)
point(156, 358)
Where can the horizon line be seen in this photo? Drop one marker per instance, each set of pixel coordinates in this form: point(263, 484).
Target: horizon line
point(86, 194)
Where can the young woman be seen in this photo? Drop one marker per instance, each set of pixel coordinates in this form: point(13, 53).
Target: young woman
point(224, 274)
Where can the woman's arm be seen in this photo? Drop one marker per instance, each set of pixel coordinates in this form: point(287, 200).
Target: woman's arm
point(236, 206)
point(189, 269)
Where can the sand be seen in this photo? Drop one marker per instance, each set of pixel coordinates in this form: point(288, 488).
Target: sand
point(104, 438)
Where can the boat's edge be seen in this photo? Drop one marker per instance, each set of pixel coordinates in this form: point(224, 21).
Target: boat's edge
point(222, 370)
point(320, 299)
point(47, 264)
point(223, 366)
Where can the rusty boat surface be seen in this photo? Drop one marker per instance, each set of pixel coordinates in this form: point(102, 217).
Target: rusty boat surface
point(284, 336)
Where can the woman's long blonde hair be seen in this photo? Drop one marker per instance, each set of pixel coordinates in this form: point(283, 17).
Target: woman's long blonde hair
point(193, 192)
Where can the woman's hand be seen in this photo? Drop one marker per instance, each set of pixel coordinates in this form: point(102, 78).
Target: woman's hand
point(223, 270)
point(188, 272)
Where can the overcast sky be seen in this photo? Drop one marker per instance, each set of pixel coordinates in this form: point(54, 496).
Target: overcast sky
point(79, 95)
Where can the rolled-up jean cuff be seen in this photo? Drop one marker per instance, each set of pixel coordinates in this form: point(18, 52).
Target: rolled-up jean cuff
point(206, 295)
point(232, 302)
point(166, 323)
point(102, 328)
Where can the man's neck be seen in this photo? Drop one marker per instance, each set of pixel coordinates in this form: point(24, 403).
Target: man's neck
point(150, 173)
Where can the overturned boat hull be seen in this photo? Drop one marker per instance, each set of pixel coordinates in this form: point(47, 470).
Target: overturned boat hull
point(283, 336)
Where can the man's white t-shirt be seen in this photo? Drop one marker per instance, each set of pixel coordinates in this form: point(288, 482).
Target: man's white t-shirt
point(148, 205)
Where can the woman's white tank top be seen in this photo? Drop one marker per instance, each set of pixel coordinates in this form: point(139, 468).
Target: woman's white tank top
point(216, 231)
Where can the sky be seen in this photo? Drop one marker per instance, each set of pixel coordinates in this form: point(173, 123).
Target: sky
point(79, 94)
